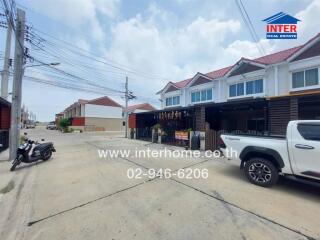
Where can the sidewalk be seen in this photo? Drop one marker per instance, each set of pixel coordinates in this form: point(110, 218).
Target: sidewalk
point(4, 156)
point(6, 177)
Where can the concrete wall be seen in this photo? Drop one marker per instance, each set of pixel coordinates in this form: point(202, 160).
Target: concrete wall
point(284, 78)
point(99, 111)
point(103, 124)
point(77, 128)
point(82, 110)
point(78, 111)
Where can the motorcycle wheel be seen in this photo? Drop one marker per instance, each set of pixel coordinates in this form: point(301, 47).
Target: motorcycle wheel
point(47, 155)
point(15, 163)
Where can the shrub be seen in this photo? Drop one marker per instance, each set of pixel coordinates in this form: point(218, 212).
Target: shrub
point(156, 127)
point(64, 123)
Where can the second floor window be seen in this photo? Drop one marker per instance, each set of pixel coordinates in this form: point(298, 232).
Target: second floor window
point(236, 90)
point(254, 87)
point(172, 101)
point(246, 88)
point(201, 96)
point(305, 78)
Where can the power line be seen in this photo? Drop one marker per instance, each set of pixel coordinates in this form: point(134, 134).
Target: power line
point(77, 77)
point(57, 78)
point(66, 86)
point(9, 19)
point(96, 58)
point(247, 21)
point(80, 66)
point(61, 52)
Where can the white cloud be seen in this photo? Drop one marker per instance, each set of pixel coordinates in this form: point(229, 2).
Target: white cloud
point(174, 53)
point(83, 44)
point(78, 14)
point(309, 24)
point(249, 49)
point(109, 8)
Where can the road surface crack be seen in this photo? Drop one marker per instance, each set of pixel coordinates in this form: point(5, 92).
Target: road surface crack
point(225, 202)
point(88, 203)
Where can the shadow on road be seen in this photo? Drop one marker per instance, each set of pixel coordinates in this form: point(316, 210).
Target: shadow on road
point(289, 185)
point(28, 165)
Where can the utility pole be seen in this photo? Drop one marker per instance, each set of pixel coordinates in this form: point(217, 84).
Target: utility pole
point(126, 108)
point(6, 64)
point(17, 84)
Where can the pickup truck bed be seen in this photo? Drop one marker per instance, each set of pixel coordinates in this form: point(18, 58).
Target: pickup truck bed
point(265, 157)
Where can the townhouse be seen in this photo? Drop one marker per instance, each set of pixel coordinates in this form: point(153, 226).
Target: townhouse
point(100, 114)
point(253, 95)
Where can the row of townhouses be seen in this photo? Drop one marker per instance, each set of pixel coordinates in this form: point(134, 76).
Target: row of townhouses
point(257, 96)
point(282, 73)
point(100, 114)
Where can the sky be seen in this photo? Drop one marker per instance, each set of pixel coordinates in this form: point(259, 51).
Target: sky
point(151, 42)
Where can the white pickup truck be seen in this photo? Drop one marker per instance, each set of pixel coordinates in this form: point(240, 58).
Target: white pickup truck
point(263, 158)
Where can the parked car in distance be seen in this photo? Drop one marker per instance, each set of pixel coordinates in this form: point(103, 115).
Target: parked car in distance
point(51, 126)
point(264, 158)
point(30, 125)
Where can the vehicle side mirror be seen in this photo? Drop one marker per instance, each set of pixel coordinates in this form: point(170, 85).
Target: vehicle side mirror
point(25, 134)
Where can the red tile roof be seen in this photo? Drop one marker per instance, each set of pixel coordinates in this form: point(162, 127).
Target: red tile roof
point(182, 83)
point(83, 101)
point(142, 106)
point(105, 101)
point(278, 56)
point(218, 73)
point(268, 59)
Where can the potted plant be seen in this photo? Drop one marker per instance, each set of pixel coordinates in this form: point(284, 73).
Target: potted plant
point(155, 132)
point(132, 132)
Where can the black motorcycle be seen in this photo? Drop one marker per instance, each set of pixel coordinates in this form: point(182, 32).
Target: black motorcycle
point(42, 151)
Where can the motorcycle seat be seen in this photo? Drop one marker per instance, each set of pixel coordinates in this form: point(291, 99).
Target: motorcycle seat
point(43, 146)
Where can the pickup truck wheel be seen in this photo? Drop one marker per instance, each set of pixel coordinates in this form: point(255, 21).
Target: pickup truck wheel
point(261, 172)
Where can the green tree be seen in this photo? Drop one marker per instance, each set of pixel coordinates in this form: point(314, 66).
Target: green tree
point(64, 123)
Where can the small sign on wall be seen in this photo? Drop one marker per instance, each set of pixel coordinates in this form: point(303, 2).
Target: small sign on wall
point(181, 135)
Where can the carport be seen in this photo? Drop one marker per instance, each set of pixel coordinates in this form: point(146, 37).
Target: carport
point(168, 120)
point(309, 107)
point(248, 116)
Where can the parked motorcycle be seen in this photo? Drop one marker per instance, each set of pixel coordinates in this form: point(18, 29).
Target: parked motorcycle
point(42, 151)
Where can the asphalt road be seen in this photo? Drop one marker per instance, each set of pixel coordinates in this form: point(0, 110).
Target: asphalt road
point(77, 195)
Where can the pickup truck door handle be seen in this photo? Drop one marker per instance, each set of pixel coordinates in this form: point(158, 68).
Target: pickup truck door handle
point(301, 146)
